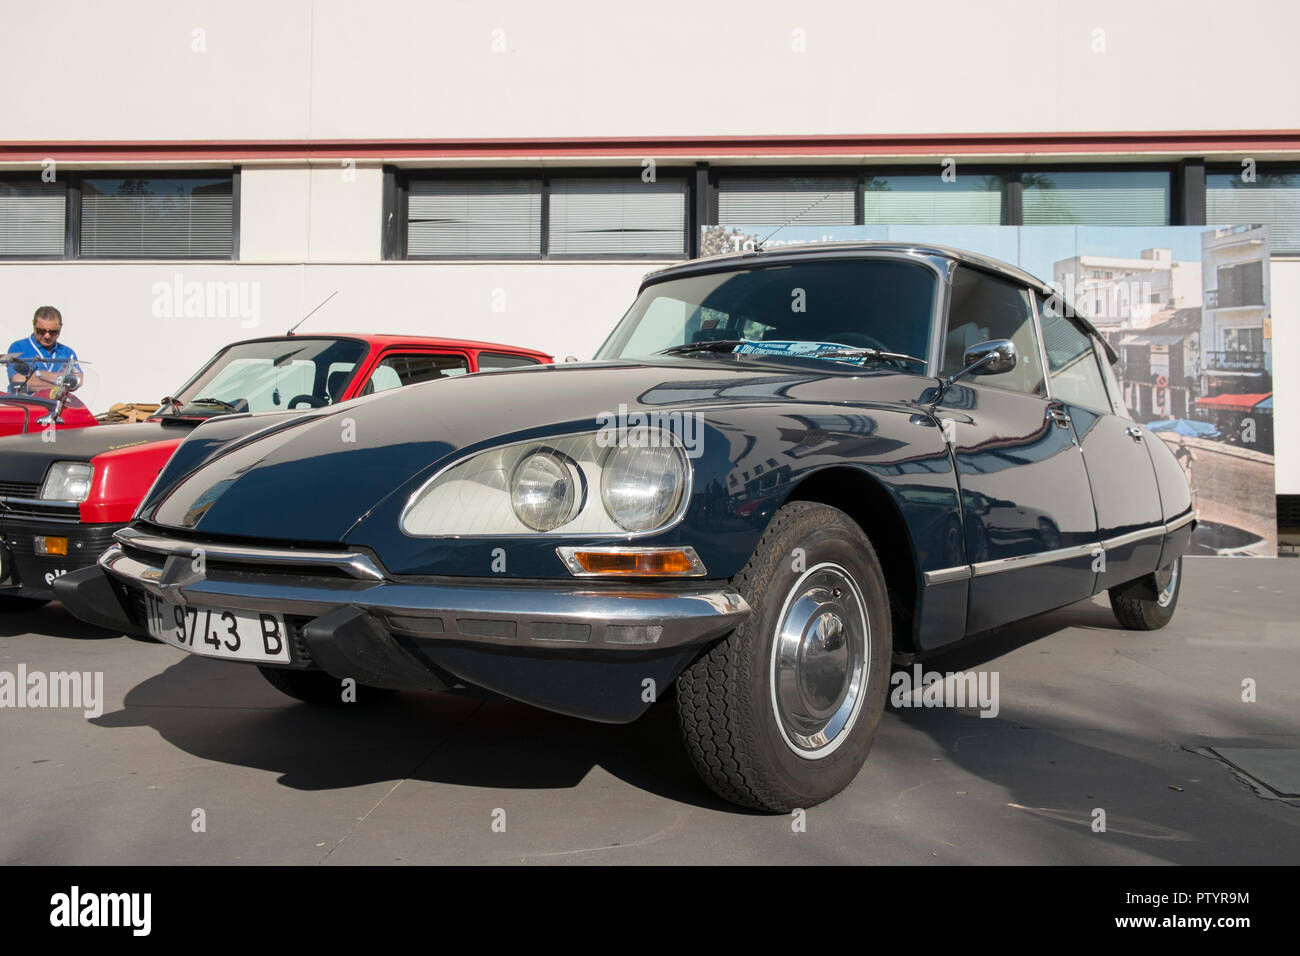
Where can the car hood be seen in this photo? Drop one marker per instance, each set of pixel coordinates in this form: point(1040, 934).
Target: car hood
point(25, 458)
point(313, 479)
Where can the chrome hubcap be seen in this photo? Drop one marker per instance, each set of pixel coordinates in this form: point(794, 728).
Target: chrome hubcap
point(820, 661)
point(1166, 584)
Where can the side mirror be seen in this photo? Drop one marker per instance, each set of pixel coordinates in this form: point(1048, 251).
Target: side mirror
point(989, 358)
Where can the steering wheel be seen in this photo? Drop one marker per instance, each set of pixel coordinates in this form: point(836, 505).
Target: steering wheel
point(313, 401)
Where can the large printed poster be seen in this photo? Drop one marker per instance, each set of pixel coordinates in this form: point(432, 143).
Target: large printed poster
point(1187, 309)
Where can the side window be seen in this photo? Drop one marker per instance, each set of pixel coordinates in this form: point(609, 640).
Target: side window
point(395, 371)
point(490, 361)
point(1071, 361)
point(982, 308)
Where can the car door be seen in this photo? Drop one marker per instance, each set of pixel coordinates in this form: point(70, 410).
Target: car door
point(1027, 510)
point(1123, 481)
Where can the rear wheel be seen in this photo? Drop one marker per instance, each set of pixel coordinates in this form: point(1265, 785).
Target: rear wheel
point(20, 605)
point(782, 712)
point(1149, 602)
point(317, 687)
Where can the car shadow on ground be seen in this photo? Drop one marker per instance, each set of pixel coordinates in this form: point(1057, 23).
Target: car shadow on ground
point(52, 621)
point(1058, 765)
point(227, 713)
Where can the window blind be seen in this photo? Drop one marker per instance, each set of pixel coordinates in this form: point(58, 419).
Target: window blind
point(31, 219)
point(928, 200)
point(474, 217)
point(1109, 198)
point(612, 216)
point(157, 217)
point(809, 201)
point(1273, 200)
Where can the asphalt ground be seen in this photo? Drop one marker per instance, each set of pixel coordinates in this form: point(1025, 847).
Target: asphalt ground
point(1091, 717)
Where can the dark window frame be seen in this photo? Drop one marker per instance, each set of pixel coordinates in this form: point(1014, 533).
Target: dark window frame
point(233, 172)
point(72, 191)
point(1172, 206)
point(34, 176)
point(397, 204)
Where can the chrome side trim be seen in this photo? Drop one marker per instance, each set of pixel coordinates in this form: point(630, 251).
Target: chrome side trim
point(1140, 535)
point(1179, 522)
point(1033, 560)
point(354, 563)
point(944, 575)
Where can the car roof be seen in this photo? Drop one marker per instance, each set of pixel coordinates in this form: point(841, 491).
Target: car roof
point(794, 252)
point(385, 339)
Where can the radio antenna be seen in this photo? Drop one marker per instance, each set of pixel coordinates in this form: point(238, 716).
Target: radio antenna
point(758, 246)
point(312, 312)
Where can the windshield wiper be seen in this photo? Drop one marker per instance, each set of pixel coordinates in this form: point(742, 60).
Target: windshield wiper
point(712, 345)
point(213, 401)
point(869, 354)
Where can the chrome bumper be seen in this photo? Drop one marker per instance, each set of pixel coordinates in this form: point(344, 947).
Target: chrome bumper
point(622, 617)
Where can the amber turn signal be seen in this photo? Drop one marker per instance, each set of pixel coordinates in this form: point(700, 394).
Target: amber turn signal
point(648, 562)
point(51, 545)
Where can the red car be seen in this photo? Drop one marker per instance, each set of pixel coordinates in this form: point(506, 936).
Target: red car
point(21, 413)
point(61, 500)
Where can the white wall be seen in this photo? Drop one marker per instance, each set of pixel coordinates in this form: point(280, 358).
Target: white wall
point(110, 309)
point(1285, 280)
point(337, 69)
point(330, 213)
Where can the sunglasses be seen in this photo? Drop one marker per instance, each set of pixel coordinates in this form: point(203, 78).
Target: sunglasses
point(44, 332)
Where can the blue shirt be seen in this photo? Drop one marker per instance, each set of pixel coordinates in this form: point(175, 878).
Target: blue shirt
point(40, 358)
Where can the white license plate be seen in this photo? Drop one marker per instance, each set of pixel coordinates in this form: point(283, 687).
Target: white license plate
point(217, 632)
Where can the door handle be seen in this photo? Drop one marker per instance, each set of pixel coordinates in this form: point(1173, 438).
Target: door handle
point(1057, 413)
point(1134, 433)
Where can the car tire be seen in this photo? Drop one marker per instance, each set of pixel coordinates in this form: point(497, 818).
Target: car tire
point(782, 712)
point(1148, 603)
point(318, 687)
point(21, 605)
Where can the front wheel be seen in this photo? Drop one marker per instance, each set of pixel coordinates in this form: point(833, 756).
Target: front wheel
point(317, 687)
point(1149, 602)
point(782, 712)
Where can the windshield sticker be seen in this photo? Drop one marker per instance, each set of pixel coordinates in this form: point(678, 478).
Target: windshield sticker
point(788, 348)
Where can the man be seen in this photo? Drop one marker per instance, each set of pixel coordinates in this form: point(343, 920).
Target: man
point(44, 356)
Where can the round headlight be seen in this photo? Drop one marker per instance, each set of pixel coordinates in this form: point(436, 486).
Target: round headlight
point(642, 488)
point(546, 490)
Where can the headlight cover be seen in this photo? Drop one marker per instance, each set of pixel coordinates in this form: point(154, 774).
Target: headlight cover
point(575, 485)
point(68, 481)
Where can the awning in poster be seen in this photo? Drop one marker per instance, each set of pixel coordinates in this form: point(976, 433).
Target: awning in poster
point(1230, 402)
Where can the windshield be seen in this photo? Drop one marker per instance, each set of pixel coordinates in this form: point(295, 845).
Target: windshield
point(800, 309)
point(273, 376)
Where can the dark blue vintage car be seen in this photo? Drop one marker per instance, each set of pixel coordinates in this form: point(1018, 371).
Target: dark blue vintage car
point(781, 469)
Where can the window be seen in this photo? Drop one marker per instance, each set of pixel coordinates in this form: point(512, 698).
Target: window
point(395, 371)
point(1241, 284)
point(1272, 199)
point(809, 200)
point(1096, 198)
point(32, 218)
point(1071, 361)
point(982, 308)
point(542, 216)
point(147, 217)
point(968, 200)
point(492, 361)
point(474, 217)
point(611, 216)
